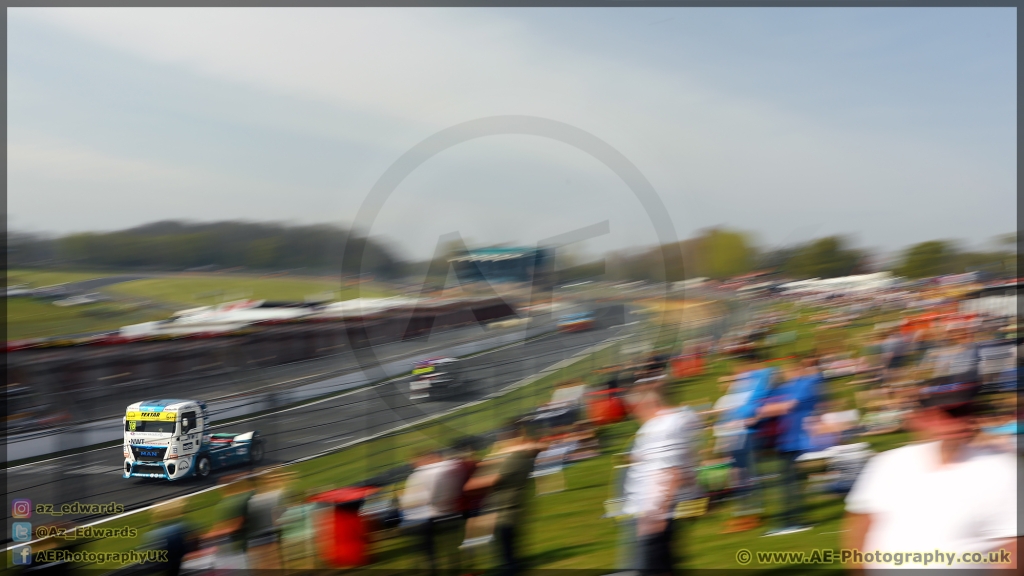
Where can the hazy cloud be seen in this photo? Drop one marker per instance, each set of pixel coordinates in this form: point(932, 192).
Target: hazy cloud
point(765, 122)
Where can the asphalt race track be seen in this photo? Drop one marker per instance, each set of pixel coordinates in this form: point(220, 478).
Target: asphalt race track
point(95, 476)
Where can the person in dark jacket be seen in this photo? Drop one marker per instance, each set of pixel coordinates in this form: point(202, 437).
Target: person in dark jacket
point(508, 489)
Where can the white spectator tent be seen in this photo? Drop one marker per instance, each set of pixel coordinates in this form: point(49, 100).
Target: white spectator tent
point(858, 283)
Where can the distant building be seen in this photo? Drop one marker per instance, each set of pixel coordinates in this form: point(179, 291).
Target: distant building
point(500, 265)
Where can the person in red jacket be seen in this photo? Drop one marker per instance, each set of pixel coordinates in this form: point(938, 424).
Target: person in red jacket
point(469, 502)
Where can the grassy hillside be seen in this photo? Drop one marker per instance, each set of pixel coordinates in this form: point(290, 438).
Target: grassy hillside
point(37, 278)
point(153, 298)
point(188, 290)
point(28, 318)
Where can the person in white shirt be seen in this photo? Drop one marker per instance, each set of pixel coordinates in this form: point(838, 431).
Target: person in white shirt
point(661, 466)
point(429, 505)
point(938, 495)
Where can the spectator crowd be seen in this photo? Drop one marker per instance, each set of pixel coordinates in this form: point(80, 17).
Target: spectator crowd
point(910, 416)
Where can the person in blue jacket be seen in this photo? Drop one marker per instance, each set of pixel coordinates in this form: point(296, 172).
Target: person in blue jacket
point(752, 384)
point(792, 404)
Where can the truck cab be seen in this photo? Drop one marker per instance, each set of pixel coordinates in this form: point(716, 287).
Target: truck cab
point(171, 439)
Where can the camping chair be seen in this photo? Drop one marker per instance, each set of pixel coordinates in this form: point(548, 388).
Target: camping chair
point(548, 473)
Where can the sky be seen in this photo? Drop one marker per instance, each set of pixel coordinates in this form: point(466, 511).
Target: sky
point(892, 126)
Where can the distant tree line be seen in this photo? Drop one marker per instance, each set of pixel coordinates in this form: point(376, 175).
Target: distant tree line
point(939, 257)
point(721, 253)
point(716, 253)
point(174, 245)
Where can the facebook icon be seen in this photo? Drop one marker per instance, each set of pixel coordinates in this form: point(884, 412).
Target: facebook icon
point(22, 555)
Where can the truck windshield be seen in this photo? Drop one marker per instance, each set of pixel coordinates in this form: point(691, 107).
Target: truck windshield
point(149, 426)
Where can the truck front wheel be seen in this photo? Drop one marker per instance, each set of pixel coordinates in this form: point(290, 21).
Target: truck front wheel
point(203, 467)
point(256, 452)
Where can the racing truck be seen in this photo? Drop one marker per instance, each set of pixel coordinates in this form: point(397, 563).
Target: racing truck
point(579, 322)
point(435, 378)
point(171, 440)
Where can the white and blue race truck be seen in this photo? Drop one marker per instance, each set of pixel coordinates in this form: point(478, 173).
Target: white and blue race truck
point(171, 439)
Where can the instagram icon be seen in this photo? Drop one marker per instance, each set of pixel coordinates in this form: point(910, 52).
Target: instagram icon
point(21, 508)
